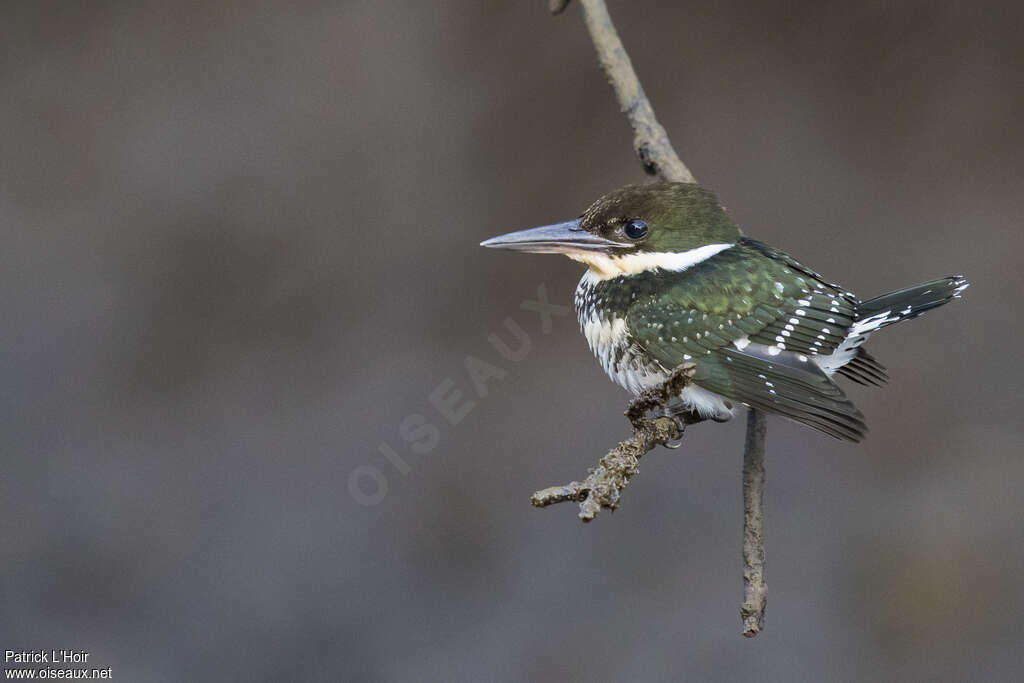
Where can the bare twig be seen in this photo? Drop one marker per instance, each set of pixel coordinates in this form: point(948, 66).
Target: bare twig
point(755, 592)
point(650, 140)
point(605, 482)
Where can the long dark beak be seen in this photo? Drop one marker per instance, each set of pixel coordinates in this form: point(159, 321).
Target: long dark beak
point(553, 239)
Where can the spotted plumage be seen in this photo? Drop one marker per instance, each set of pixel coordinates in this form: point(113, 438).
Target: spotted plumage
point(761, 329)
point(755, 322)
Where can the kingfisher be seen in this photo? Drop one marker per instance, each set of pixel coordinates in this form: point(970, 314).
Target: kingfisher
point(671, 280)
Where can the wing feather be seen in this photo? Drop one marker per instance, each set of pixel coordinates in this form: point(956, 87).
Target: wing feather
point(728, 315)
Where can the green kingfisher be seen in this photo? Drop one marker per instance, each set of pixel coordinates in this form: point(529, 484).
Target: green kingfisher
point(672, 280)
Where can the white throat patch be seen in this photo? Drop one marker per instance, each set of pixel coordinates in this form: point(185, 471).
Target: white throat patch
point(605, 267)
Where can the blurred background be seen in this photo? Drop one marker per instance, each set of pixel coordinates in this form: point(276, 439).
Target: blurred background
point(240, 256)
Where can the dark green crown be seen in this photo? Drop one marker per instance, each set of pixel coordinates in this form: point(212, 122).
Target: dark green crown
point(679, 217)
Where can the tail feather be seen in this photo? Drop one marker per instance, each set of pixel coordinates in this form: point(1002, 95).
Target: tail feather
point(904, 304)
point(854, 362)
point(864, 369)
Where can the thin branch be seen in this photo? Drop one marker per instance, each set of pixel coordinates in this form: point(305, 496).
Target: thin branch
point(650, 140)
point(605, 483)
point(755, 591)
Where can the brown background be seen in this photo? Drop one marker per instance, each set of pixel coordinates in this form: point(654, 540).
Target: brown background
point(239, 248)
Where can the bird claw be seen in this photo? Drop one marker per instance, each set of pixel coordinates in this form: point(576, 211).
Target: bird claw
point(682, 421)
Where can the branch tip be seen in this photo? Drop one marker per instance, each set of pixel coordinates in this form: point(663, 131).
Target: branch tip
point(556, 7)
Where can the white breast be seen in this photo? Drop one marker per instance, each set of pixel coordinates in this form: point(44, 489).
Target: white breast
point(611, 343)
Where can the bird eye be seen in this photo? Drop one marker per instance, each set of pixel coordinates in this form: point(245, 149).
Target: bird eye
point(635, 229)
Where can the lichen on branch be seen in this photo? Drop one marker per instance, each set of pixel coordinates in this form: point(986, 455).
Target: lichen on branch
point(602, 488)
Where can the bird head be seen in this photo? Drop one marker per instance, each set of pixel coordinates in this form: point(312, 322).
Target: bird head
point(634, 229)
